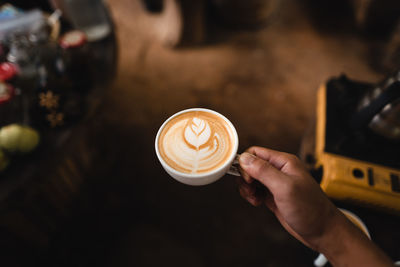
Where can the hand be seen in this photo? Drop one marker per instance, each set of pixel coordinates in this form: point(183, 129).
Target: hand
point(281, 182)
point(293, 195)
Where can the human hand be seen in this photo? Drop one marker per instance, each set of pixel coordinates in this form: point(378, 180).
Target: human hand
point(291, 193)
point(280, 181)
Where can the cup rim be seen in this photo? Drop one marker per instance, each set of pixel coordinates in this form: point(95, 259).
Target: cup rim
point(201, 175)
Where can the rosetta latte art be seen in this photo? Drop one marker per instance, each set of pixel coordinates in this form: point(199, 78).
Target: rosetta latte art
point(196, 142)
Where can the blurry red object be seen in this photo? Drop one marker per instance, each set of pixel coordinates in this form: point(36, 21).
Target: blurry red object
point(73, 39)
point(7, 71)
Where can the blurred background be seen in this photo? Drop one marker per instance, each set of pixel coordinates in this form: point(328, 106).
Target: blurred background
point(85, 86)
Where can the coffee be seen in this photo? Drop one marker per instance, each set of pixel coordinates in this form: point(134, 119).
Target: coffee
point(196, 142)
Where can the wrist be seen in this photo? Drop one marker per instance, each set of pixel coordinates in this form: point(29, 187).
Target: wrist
point(344, 244)
point(334, 241)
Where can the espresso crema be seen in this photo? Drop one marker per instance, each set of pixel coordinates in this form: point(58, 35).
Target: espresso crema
point(196, 142)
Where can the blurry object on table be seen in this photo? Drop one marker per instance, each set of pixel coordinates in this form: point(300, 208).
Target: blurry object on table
point(171, 23)
point(353, 149)
point(8, 11)
point(48, 82)
point(89, 16)
point(15, 138)
point(176, 23)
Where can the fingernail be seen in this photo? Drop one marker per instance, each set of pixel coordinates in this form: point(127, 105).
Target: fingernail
point(246, 158)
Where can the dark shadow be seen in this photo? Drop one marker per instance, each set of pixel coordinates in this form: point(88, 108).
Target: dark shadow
point(380, 18)
point(154, 6)
point(224, 19)
point(330, 16)
point(27, 4)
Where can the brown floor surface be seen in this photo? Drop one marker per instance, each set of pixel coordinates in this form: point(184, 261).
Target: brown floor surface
point(264, 81)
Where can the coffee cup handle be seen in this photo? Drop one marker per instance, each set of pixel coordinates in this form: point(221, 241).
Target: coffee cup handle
point(234, 169)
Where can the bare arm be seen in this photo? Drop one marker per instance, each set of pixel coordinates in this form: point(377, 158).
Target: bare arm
point(303, 209)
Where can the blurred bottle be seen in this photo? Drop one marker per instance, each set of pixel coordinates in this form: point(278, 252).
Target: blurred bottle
point(22, 54)
point(89, 16)
point(76, 58)
point(78, 79)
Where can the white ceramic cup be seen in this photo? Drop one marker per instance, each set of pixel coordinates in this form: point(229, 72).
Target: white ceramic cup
point(208, 177)
point(321, 260)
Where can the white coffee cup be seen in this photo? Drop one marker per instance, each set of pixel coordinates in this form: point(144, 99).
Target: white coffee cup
point(207, 177)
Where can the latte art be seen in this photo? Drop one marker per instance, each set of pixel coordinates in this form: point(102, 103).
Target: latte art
point(196, 142)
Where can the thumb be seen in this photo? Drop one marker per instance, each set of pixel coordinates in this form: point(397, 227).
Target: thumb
point(261, 170)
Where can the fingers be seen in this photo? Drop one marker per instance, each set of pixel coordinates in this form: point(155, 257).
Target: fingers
point(246, 176)
point(285, 162)
point(249, 192)
point(276, 158)
point(256, 194)
point(262, 171)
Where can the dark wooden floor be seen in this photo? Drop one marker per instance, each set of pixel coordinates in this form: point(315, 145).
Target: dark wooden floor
point(131, 213)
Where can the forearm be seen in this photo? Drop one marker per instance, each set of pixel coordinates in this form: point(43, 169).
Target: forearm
point(346, 245)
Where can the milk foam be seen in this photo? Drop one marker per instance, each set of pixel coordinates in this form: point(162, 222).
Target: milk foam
point(197, 142)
